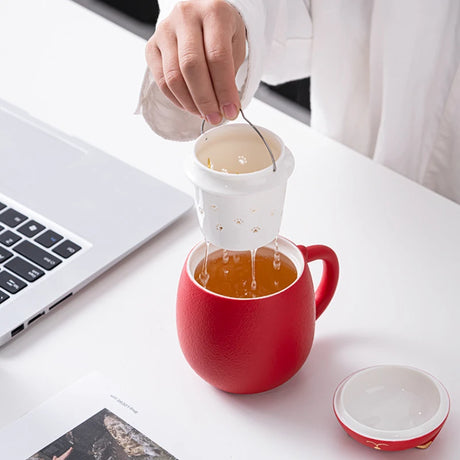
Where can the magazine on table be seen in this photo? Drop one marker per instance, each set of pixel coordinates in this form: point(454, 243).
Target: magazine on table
point(86, 421)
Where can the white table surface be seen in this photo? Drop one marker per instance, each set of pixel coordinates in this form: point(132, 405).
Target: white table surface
point(398, 245)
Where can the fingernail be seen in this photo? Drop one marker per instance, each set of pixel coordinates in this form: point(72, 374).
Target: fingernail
point(214, 118)
point(230, 111)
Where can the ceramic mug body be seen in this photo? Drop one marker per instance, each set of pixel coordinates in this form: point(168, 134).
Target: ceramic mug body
point(253, 345)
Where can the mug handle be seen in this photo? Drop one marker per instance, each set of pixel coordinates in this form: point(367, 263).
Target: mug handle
point(330, 276)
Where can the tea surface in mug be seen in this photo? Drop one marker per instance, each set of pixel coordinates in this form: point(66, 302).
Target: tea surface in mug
point(230, 273)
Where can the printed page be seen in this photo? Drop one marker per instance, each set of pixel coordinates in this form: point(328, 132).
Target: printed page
point(87, 421)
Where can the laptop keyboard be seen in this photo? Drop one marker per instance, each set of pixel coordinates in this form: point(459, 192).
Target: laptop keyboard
point(29, 250)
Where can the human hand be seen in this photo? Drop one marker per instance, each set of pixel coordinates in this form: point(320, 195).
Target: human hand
point(194, 55)
point(64, 455)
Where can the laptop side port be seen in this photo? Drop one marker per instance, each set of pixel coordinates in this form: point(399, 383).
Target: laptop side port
point(59, 301)
point(17, 330)
point(35, 318)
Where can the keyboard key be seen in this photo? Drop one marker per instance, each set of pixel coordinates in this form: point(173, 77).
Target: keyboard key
point(3, 296)
point(2, 206)
point(49, 238)
point(4, 255)
point(37, 255)
point(31, 228)
point(1, 228)
point(10, 283)
point(8, 238)
point(66, 249)
point(12, 218)
point(24, 269)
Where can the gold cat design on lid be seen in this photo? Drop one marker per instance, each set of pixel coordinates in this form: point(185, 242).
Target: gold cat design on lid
point(425, 446)
point(377, 444)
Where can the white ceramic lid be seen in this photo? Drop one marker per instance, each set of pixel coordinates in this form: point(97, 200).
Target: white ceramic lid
point(391, 402)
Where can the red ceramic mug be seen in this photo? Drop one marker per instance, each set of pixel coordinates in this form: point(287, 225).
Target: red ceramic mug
point(253, 344)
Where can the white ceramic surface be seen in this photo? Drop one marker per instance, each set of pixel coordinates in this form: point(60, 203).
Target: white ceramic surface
point(392, 403)
point(240, 211)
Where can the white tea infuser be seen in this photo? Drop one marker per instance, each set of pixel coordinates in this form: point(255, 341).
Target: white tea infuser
point(240, 174)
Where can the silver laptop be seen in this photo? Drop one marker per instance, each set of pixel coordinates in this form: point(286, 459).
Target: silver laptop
point(67, 213)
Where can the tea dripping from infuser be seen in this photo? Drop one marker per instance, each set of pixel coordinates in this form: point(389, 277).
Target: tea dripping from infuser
point(204, 275)
point(240, 184)
point(231, 162)
point(245, 274)
point(245, 284)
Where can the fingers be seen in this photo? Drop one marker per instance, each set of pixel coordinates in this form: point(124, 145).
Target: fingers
point(155, 63)
point(173, 78)
point(194, 56)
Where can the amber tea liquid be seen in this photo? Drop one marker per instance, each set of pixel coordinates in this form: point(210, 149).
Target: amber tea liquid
point(237, 274)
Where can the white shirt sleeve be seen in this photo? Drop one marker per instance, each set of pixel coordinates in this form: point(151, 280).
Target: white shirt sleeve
point(279, 35)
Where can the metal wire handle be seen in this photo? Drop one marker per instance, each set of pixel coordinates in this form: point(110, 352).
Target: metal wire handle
point(257, 131)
